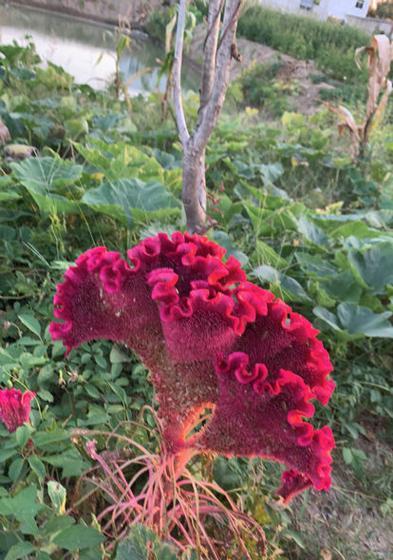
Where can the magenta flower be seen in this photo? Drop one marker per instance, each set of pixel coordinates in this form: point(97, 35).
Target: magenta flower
point(15, 408)
point(211, 339)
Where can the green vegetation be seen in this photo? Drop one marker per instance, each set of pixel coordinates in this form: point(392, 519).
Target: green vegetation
point(287, 200)
point(384, 10)
point(330, 45)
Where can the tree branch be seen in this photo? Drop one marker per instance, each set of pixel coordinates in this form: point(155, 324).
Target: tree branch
point(210, 50)
point(209, 113)
point(177, 67)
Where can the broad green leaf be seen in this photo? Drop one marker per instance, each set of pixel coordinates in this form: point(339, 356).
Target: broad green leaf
point(78, 537)
point(50, 181)
point(227, 474)
point(343, 287)
point(15, 468)
point(312, 232)
point(31, 323)
point(223, 239)
point(37, 466)
point(5, 196)
point(315, 265)
point(118, 356)
point(19, 550)
point(50, 440)
point(291, 289)
point(70, 461)
point(56, 524)
point(141, 543)
point(24, 508)
point(327, 317)
point(22, 434)
point(121, 161)
point(7, 454)
point(374, 266)
point(353, 321)
point(360, 320)
point(132, 200)
point(357, 229)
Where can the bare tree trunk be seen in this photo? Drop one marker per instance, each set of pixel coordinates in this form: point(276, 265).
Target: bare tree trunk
point(218, 53)
point(194, 188)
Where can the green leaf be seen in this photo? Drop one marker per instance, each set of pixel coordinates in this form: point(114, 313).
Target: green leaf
point(56, 524)
point(343, 287)
point(11, 195)
point(6, 454)
point(374, 266)
point(223, 239)
point(141, 543)
point(315, 266)
point(48, 180)
point(37, 466)
point(121, 161)
point(19, 550)
point(360, 320)
point(227, 474)
point(45, 440)
point(132, 200)
point(354, 321)
point(78, 537)
point(24, 508)
point(15, 468)
point(311, 232)
point(71, 461)
point(291, 289)
point(327, 317)
point(22, 435)
point(117, 356)
point(58, 496)
point(31, 323)
point(347, 455)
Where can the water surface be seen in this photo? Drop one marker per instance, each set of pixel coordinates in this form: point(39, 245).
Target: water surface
point(86, 50)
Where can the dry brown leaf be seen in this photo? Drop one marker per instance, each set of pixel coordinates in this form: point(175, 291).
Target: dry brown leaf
point(5, 135)
point(380, 56)
point(379, 112)
point(379, 60)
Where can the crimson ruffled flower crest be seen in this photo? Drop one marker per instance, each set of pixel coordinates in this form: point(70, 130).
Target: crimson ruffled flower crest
point(211, 339)
point(15, 408)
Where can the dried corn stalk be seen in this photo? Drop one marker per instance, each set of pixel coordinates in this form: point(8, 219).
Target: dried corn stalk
point(5, 135)
point(380, 56)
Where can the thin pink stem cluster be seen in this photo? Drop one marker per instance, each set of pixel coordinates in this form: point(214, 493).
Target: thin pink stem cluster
point(164, 495)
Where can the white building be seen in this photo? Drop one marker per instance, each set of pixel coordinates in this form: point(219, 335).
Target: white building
point(323, 9)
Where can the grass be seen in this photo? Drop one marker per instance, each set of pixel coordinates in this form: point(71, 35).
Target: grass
point(330, 45)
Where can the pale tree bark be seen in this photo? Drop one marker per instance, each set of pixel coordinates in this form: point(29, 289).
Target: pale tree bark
point(219, 49)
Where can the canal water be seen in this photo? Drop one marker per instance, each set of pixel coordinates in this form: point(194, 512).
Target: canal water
point(86, 50)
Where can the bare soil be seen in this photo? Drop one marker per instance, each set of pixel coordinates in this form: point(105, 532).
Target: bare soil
point(349, 522)
point(305, 100)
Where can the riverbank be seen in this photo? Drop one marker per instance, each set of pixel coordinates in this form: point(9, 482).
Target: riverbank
point(133, 12)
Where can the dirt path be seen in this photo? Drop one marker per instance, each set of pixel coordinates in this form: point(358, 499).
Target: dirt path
point(306, 100)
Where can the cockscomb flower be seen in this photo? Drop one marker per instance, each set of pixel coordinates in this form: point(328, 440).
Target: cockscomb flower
point(15, 408)
point(212, 340)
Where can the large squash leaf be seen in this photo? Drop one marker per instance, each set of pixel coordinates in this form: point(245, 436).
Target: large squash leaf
point(354, 321)
point(132, 200)
point(50, 182)
point(373, 266)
